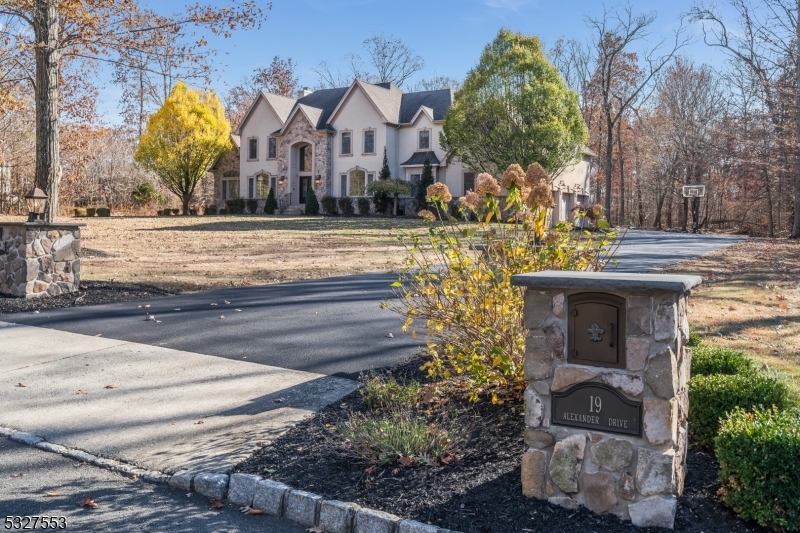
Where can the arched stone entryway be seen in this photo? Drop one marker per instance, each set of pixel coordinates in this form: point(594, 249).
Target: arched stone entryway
point(301, 176)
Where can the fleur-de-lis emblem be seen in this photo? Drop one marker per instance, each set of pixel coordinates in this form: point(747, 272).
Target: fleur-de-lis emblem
point(595, 331)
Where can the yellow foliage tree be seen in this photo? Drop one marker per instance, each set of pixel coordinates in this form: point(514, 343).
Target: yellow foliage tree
point(183, 139)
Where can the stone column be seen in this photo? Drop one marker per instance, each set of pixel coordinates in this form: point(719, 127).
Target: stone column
point(38, 259)
point(625, 454)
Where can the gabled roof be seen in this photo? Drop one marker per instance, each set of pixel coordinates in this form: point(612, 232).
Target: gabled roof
point(419, 158)
point(325, 100)
point(280, 105)
point(439, 101)
point(385, 97)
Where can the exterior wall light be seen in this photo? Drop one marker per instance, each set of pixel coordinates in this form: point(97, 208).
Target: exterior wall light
point(282, 180)
point(36, 200)
point(318, 180)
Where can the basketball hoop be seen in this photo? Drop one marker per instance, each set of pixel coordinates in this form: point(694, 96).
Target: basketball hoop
point(694, 191)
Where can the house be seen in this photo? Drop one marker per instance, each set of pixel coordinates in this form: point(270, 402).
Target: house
point(332, 140)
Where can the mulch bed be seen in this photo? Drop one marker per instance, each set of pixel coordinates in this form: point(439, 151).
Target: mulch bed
point(479, 493)
point(91, 293)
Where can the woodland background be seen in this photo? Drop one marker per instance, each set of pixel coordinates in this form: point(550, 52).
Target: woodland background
point(733, 127)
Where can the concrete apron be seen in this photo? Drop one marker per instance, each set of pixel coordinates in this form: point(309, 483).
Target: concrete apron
point(166, 409)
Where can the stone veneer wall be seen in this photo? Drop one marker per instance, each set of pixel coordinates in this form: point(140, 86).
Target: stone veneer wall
point(39, 259)
point(301, 130)
point(637, 479)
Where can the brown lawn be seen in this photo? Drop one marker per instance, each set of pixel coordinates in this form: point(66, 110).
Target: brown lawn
point(189, 254)
point(750, 301)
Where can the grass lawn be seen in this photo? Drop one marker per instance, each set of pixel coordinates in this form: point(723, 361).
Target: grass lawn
point(190, 254)
point(750, 301)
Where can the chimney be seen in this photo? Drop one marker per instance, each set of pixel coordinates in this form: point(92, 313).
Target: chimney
point(305, 91)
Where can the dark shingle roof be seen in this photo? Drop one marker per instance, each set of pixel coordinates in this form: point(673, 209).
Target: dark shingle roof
point(439, 101)
point(419, 159)
point(326, 101)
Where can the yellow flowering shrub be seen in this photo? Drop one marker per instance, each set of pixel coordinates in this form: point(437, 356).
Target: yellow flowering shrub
point(457, 277)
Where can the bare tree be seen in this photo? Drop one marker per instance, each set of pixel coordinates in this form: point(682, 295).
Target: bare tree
point(390, 61)
point(615, 32)
point(767, 41)
point(436, 83)
point(280, 77)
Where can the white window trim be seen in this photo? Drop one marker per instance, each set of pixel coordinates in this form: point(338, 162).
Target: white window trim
point(364, 141)
point(276, 148)
point(248, 148)
point(341, 143)
point(430, 137)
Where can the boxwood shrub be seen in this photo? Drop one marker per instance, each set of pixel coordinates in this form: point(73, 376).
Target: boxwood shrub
point(329, 205)
point(707, 360)
point(759, 454)
point(712, 397)
point(364, 206)
point(346, 206)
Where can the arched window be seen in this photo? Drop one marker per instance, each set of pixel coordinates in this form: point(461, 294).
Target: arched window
point(358, 185)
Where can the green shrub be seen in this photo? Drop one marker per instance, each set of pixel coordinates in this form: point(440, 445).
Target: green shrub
point(176, 211)
point(145, 193)
point(312, 205)
point(91, 211)
point(707, 360)
point(103, 212)
point(252, 206)
point(694, 339)
point(399, 436)
point(759, 454)
point(383, 391)
point(210, 210)
point(329, 205)
point(346, 206)
point(223, 211)
point(712, 397)
point(363, 206)
point(80, 211)
point(271, 204)
point(164, 212)
point(235, 206)
point(193, 211)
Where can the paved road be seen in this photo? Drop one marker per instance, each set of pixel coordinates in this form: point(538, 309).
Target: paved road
point(331, 326)
point(123, 505)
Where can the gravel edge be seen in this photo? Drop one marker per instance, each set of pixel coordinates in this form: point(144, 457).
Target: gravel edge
point(248, 491)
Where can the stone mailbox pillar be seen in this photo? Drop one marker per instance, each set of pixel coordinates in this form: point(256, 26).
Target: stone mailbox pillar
point(606, 402)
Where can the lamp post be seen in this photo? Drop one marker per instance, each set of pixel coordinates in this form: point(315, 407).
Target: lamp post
point(36, 200)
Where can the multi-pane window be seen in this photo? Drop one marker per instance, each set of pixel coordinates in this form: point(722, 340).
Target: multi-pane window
point(252, 149)
point(469, 181)
point(425, 139)
point(305, 158)
point(343, 188)
point(415, 178)
point(347, 138)
point(250, 185)
point(358, 183)
point(370, 177)
point(273, 184)
point(262, 186)
point(230, 189)
point(369, 142)
point(272, 148)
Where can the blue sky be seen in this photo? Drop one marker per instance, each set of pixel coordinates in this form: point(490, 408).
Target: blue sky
point(448, 34)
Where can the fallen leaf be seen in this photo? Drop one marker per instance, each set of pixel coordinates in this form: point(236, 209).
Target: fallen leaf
point(215, 503)
point(36, 312)
point(227, 302)
point(279, 400)
point(316, 529)
point(213, 304)
point(250, 510)
point(200, 422)
point(149, 317)
point(21, 385)
point(54, 494)
point(111, 386)
point(405, 461)
point(19, 474)
point(428, 396)
point(238, 310)
point(369, 469)
point(79, 392)
point(88, 502)
point(99, 335)
point(390, 336)
point(146, 306)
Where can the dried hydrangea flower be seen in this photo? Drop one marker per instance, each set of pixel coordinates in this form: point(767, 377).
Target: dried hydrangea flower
point(540, 196)
point(513, 174)
point(427, 215)
point(486, 184)
point(440, 190)
point(552, 238)
point(536, 174)
point(472, 201)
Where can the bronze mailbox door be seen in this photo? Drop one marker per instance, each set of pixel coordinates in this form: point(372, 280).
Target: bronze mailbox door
point(596, 327)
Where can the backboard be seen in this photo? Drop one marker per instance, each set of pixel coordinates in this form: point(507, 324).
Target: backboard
point(694, 191)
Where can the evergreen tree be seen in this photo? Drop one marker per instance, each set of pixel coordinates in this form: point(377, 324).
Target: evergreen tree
point(312, 205)
point(271, 204)
point(424, 181)
point(381, 199)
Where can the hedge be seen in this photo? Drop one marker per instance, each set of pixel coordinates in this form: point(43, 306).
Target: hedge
point(712, 397)
point(758, 455)
point(708, 360)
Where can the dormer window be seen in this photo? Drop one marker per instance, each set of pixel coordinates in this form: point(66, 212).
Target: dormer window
point(347, 143)
point(425, 139)
point(252, 149)
point(369, 141)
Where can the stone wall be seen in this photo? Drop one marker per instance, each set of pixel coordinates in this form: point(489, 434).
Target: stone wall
point(300, 130)
point(637, 478)
point(39, 259)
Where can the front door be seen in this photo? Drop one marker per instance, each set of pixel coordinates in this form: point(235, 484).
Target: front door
point(305, 184)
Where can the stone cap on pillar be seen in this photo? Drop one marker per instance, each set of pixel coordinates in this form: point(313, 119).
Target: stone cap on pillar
point(606, 281)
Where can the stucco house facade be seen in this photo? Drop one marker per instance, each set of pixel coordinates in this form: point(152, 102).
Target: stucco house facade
point(333, 140)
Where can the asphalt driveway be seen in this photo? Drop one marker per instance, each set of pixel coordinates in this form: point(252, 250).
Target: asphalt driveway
point(332, 326)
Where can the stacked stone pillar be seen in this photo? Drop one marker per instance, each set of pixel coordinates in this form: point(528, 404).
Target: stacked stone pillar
point(633, 468)
point(38, 259)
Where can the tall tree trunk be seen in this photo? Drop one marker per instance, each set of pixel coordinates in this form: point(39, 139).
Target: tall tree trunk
point(796, 223)
point(46, 94)
point(609, 166)
point(621, 174)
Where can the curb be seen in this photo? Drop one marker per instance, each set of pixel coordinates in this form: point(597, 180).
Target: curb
point(250, 491)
